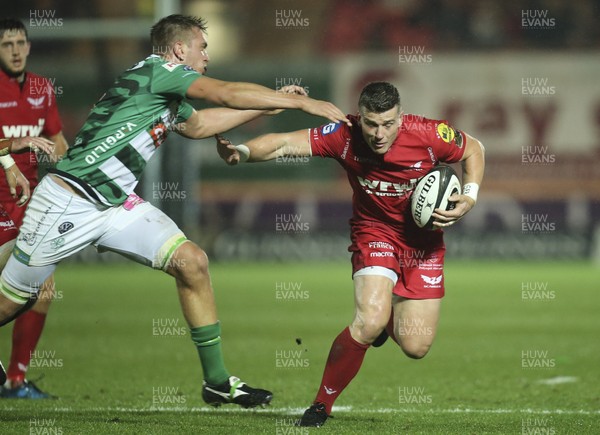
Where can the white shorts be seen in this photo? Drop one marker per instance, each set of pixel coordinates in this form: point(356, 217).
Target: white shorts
point(58, 224)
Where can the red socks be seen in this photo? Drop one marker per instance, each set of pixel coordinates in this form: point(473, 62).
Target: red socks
point(27, 330)
point(344, 361)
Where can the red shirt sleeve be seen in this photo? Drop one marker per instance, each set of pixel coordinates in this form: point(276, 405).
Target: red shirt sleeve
point(448, 143)
point(329, 140)
point(52, 125)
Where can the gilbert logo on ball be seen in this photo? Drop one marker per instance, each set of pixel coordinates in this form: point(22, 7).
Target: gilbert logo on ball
point(432, 191)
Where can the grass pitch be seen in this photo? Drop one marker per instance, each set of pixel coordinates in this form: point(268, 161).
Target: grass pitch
point(517, 351)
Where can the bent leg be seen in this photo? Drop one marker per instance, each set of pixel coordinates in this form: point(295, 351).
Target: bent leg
point(415, 324)
point(373, 305)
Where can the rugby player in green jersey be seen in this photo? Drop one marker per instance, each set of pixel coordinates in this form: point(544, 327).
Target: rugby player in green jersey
point(88, 198)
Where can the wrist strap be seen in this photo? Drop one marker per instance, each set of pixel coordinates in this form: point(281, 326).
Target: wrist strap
point(6, 150)
point(244, 152)
point(471, 190)
point(6, 161)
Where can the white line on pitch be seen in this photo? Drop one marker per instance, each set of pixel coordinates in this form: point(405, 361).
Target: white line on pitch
point(299, 411)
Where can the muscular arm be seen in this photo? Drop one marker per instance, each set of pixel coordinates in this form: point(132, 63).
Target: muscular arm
point(208, 122)
point(238, 95)
point(268, 147)
point(473, 166)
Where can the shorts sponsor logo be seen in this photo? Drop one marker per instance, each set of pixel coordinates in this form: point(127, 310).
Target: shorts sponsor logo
point(381, 254)
point(381, 245)
point(433, 281)
point(58, 243)
point(64, 227)
point(29, 238)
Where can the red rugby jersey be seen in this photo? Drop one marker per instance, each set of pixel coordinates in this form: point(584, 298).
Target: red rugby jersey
point(26, 110)
point(383, 184)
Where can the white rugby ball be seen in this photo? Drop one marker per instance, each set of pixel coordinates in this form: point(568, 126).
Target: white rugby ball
point(432, 191)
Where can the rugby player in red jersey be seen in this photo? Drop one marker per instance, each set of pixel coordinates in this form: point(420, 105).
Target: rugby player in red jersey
point(27, 108)
point(397, 267)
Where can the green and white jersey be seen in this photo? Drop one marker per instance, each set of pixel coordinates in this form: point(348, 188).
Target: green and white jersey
point(124, 129)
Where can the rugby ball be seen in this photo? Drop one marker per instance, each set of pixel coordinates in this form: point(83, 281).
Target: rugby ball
point(432, 191)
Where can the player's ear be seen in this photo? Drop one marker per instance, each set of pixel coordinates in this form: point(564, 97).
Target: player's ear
point(400, 118)
point(179, 50)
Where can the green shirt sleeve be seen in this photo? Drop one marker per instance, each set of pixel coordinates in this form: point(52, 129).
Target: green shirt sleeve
point(173, 79)
point(184, 111)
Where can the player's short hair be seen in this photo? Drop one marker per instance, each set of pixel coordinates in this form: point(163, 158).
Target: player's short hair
point(7, 24)
point(174, 28)
point(379, 97)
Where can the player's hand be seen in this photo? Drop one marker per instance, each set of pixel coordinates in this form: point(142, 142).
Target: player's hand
point(290, 89)
point(17, 181)
point(293, 89)
point(35, 144)
point(445, 218)
point(227, 150)
point(326, 110)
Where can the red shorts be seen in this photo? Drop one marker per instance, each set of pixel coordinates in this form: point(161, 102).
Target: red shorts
point(8, 229)
point(417, 256)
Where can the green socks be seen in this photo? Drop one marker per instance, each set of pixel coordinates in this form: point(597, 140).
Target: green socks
point(208, 341)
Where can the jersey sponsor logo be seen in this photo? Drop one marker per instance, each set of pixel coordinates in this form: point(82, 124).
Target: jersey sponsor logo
point(458, 138)
point(7, 104)
point(158, 133)
point(432, 155)
point(386, 188)
point(170, 66)
point(23, 130)
point(37, 103)
point(330, 128)
point(107, 143)
point(64, 227)
point(445, 132)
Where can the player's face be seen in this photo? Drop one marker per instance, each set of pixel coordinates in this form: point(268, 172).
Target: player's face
point(195, 52)
point(14, 49)
point(380, 129)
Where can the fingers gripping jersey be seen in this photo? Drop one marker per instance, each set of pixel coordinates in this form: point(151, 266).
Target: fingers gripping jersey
point(127, 125)
point(382, 184)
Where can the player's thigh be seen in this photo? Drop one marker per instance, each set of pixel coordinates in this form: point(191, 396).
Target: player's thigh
point(415, 324)
point(373, 301)
point(143, 234)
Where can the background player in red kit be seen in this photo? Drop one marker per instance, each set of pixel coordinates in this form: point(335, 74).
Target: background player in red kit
point(27, 108)
point(397, 267)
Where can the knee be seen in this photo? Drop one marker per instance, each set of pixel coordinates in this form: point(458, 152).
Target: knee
point(416, 349)
point(368, 327)
point(189, 262)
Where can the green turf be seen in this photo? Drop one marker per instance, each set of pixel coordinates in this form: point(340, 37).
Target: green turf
point(112, 372)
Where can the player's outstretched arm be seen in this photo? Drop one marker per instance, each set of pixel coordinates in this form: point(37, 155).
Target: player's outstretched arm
point(238, 95)
point(208, 122)
point(473, 166)
point(21, 144)
point(264, 148)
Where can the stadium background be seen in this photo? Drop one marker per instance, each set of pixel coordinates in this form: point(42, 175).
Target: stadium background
point(521, 76)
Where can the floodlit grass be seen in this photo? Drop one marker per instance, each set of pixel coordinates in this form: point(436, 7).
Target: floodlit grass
point(117, 353)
